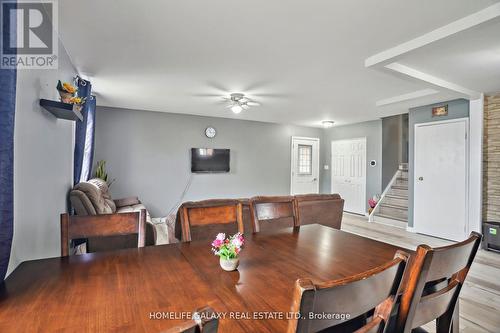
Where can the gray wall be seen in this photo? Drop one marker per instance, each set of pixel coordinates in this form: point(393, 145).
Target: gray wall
point(405, 138)
point(372, 130)
point(149, 155)
point(456, 109)
point(43, 164)
point(395, 145)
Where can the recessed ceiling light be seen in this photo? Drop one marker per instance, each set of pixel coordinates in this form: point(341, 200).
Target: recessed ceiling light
point(327, 123)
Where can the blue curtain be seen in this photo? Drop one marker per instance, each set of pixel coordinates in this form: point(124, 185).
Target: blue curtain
point(84, 135)
point(8, 78)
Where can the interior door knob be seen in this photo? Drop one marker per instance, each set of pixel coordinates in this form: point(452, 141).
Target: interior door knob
point(420, 178)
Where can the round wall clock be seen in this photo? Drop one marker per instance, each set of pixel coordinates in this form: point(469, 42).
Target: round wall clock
point(210, 132)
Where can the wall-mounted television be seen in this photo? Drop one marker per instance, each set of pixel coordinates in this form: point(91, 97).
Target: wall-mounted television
point(209, 160)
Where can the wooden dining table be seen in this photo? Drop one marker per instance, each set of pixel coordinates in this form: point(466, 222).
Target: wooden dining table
point(154, 288)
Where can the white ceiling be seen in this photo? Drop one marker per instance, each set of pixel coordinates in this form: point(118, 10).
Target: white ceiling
point(302, 60)
point(470, 59)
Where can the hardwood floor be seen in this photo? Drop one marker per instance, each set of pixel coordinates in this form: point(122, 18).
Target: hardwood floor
point(480, 297)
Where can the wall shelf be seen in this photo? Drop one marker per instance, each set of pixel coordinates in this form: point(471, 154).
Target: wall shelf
point(61, 110)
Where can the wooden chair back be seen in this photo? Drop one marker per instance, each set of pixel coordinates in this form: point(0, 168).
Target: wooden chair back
point(204, 321)
point(279, 211)
point(73, 227)
point(204, 219)
point(374, 290)
point(324, 209)
point(434, 281)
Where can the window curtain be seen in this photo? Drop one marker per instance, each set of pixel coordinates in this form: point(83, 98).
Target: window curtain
point(8, 78)
point(84, 135)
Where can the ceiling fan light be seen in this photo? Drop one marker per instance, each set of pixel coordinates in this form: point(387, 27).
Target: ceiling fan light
point(236, 108)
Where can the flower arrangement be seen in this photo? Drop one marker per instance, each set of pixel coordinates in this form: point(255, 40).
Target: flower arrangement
point(372, 202)
point(77, 100)
point(67, 87)
point(66, 91)
point(228, 250)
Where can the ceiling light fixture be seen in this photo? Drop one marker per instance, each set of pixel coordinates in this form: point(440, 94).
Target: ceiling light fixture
point(327, 123)
point(238, 102)
point(236, 108)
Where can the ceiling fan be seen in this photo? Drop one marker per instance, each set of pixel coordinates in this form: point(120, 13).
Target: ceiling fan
point(238, 102)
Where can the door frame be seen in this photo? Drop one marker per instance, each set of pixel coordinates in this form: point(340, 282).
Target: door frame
point(293, 138)
point(365, 169)
point(467, 162)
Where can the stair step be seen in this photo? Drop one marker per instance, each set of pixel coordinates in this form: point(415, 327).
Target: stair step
point(397, 196)
point(398, 192)
point(393, 211)
point(401, 182)
point(397, 200)
point(383, 204)
point(399, 187)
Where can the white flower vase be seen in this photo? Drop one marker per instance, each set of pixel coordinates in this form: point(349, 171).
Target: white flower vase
point(229, 264)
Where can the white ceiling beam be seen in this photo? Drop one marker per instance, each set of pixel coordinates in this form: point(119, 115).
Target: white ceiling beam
point(391, 55)
point(409, 71)
point(407, 97)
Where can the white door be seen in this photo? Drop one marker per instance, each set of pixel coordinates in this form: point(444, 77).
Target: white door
point(349, 173)
point(305, 166)
point(441, 182)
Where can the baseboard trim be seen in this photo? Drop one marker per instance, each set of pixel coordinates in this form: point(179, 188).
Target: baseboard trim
point(354, 214)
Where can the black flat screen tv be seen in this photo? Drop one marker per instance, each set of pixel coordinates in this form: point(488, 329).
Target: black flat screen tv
point(209, 160)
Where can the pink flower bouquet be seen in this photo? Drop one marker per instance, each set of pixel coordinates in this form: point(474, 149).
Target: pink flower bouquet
point(227, 248)
point(372, 202)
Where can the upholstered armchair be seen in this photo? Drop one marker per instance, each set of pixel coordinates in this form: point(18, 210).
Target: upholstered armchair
point(92, 198)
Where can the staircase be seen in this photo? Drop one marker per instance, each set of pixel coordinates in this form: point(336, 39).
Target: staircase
point(393, 206)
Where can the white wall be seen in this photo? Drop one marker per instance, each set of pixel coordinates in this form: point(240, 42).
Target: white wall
point(43, 164)
point(476, 114)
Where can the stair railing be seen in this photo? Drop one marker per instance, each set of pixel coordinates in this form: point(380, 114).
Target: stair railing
point(387, 188)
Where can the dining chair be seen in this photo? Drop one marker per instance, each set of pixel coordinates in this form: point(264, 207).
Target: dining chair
point(345, 301)
point(273, 212)
point(434, 280)
point(106, 225)
point(204, 321)
point(203, 220)
point(324, 209)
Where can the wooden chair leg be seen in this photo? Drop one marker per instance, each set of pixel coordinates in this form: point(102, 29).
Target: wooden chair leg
point(455, 324)
point(449, 322)
point(64, 235)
